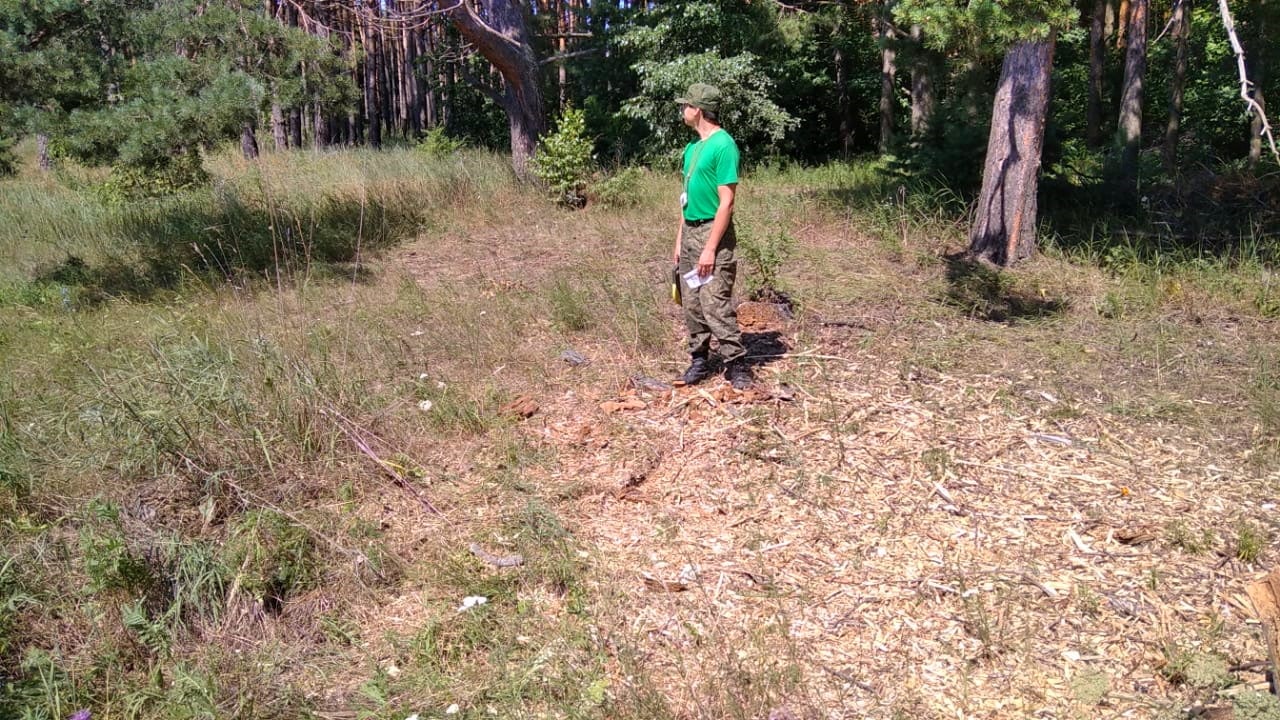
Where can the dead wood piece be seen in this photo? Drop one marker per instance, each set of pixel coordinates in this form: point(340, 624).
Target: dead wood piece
point(1265, 595)
point(523, 406)
point(501, 561)
point(613, 406)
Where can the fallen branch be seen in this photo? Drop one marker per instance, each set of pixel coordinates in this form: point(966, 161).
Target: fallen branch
point(495, 560)
point(353, 434)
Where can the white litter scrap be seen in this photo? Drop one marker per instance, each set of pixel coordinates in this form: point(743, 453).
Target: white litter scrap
point(426, 405)
point(471, 601)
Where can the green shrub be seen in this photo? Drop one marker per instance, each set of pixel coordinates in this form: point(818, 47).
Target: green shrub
point(563, 161)
point(276, 557)
point(764, 256)
point(621, 189)
point(437, 144)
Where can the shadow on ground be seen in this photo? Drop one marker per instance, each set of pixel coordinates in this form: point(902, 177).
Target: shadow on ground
point(985, 293)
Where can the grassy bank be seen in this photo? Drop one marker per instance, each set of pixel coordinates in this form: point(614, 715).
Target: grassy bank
point(250, 435)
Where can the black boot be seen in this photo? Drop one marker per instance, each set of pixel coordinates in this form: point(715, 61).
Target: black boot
point(697, 372)
point(738, 373)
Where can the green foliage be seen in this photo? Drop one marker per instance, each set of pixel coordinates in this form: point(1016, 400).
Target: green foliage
point(275, 556)
point(1254, 705)
point(570, 309)
point(618, 190)
point(973, 26)
point(437, 144)
point(747, 110)
point(764, 256)
point(563, 160)
point(8, 161)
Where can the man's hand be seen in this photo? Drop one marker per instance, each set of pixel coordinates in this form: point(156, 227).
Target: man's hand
point(706, 262)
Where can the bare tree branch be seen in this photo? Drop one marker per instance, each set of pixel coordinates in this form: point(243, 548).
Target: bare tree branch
point(1245, 95)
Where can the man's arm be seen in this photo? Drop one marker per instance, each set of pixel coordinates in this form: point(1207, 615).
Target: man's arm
point(724, 215)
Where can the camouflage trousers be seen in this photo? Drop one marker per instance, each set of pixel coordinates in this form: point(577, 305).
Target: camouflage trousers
point(708, 310)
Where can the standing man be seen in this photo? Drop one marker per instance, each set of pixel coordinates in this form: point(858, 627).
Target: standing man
point(705, 239)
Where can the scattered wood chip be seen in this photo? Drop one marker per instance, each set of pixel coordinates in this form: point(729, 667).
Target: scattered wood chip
point(1137, 535)
point(657, 585)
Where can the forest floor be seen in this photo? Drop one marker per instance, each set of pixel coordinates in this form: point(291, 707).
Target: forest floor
point(945, 497)
point(952, 493)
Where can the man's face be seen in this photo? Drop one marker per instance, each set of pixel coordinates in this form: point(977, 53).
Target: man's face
point(689, 114)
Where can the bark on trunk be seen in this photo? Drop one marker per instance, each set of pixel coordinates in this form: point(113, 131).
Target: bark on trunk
point(1129, 127)
point(1181, 28)
point(42, 152)
point(295, 128)
point(1097, 66)
point(844, 109)
point(278, 133)
point(1258, 75)
point(505, 40)
point(922, 96)
point(888, 69)
point(1004, 229)
point(248, 142)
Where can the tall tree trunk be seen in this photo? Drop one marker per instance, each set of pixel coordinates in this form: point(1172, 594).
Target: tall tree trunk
point(278, 132)
point(295, 128)
point(1097, 67)
point(1004, 229)
point(248, 142)
point(923, 99)
point(320, 138)
point(369, 65)
point(844, 108)
point(888, 69)
point(1129, 127)
point(1181, 29)
point(505, 40)
point(42, 152)
point(1258, 76)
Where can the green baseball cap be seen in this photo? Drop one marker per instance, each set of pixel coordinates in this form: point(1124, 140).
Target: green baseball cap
point(701, 96)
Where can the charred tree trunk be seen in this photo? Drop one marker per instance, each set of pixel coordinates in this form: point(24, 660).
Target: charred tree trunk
point(1097, 67)
point(248, 142)
point(1181, 29)
point(923, 99)
point(888, 69)
point(504, 38)
point(1129, 126)
point(1004, 229)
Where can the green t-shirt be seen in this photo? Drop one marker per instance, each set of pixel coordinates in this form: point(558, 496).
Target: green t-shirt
point(708, 164)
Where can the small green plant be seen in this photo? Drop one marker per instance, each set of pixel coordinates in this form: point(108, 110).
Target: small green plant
point(437, 144)
point(569, 307)
point(621, 189)
point(1197, 669)
point(1178, 534)
point(1250, 541)
point(277, 557)
point(1090, 687)
point(765, 256)
point(1254, 705)
point(563, 160)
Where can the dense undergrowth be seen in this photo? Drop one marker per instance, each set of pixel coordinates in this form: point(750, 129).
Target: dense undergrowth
point(193, 525)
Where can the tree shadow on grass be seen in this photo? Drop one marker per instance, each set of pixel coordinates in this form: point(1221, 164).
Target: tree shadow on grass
point(222, 238)
point(985, 293)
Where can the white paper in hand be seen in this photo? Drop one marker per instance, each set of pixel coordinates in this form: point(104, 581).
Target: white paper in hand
point(694, 281)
